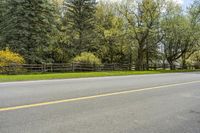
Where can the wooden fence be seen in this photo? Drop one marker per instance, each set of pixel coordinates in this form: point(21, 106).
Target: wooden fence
point(75, 67)
point(67, 67)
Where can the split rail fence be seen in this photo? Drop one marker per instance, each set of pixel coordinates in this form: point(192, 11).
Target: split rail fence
point(76, 67)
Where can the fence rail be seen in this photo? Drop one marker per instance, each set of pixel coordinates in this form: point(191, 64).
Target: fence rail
point(77, 67)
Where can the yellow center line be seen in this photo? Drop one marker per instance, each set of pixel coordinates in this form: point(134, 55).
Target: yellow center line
point(91, 97)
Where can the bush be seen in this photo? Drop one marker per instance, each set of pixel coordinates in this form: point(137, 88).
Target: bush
point(87, 58)
point(8, 58)
point(197, 65)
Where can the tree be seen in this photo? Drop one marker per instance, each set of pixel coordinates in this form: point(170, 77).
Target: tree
point(58, 50)
point(3, 11)
point(110, 32)
point(143, 18)
point(172, 30)
point(180, 35)
point(80, 18)
point(28, 25)
point(192, 40)
point(194, 60)
point(194, 11)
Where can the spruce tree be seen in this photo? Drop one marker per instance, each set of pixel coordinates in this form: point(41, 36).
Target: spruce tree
point(80, 21)
point(2, 24)
point(29, 24)
point(2, 9)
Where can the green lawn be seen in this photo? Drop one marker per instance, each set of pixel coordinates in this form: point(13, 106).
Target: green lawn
point(39, 76)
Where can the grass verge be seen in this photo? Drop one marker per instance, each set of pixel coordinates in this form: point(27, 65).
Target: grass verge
point(47, 76)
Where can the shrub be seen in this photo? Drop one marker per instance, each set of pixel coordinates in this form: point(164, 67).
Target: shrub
point(197, 65)
point(10, 58)
point(7, 57)
point(87, 58)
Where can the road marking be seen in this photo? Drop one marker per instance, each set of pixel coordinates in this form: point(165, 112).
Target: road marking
point(92, 97)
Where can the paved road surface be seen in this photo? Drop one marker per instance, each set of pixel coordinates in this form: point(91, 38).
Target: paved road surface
point(165, 103)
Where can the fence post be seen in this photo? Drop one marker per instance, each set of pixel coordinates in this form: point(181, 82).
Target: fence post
point(72, 67)
point(164, 67)
point(94, 67)
point(129, 66)
point(43, 68)
point(52, 68)
point(113, 67)
point(155, 67)
point(8, 72)
point(143, 67)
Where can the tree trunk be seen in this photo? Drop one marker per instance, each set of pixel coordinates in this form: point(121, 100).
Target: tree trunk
point(147, 60)
point(130, 61)
point(80, 46)
point(171, 64)
point(139, 62)
point(184, 66)
point(147, 55)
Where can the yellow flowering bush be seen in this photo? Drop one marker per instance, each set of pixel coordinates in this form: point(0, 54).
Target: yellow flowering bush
point(8, 57)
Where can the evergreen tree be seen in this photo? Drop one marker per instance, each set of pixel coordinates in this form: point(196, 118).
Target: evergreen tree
point(80, 21)
point(2, 17)
point(31, 23)
point(2, 11)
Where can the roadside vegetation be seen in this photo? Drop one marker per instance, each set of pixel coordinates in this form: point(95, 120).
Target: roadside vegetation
point(48, 76)
point(140, 32)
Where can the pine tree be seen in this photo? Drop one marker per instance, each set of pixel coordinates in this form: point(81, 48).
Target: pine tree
point(2, 11)
point(2, 17)
point(29, 24)
point(80, 21)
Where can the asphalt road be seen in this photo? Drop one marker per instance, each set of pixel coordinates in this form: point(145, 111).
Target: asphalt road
point(163, 103)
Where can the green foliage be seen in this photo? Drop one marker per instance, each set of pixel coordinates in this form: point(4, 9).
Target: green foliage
point(143, 19)
point(58, 50)
point(180, 37)
point(28, 25)
point(110, 33)
point(79, 18)
point(87, 58)
point(2, 17)
point(143, 32)
point(194, 60)
point(194, 11)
